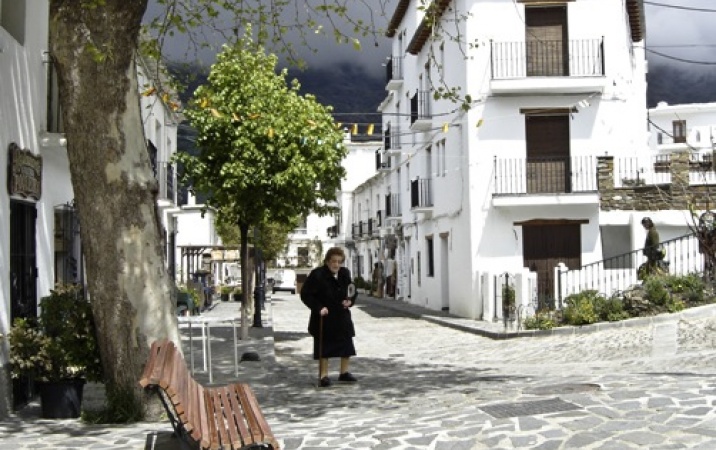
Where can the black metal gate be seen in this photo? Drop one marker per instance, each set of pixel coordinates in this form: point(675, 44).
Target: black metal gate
point(23, 278)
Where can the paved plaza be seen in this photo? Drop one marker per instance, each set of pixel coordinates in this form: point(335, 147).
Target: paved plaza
point(431, 381)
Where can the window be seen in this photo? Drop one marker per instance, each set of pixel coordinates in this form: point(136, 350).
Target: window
point(442, 168)
point(54, 112)
point(679, 131)
point(429, 249)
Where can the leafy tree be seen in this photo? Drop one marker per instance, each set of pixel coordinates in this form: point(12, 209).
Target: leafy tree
point(272, 236)
point(267, 153)
point(114, 187)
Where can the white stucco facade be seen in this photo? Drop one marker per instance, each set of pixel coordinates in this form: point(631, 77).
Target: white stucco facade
point(461, 175)
point(39, 236)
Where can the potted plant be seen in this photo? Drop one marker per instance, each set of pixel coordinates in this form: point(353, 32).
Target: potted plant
point(58, 351)
point(226, 293)
point(188, 301)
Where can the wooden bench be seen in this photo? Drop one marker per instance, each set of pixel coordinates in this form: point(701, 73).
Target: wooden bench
point(226, 417)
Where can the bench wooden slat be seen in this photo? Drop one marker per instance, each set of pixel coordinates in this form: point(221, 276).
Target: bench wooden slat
point(222, 435)
point(177, 377)
point(257, 424)
point(208, 440)
point(245, 436)
point(224, 417)
point(160, 362)
point(165, 377)
point(196, 410)
point(234, 440)
point(144, 380)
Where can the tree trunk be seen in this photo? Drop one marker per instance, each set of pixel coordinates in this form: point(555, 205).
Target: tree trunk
point(114, 187)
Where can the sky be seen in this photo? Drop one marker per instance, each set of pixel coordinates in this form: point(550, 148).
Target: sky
point(678, 32)
point(670, 30)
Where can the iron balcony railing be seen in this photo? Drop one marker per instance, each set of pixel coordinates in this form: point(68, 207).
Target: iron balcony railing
point(619, 272)
point(548, 175)
point(355, 230)
point(420, 106)
point(392, 205)
point(421, 195)
point(394, 68)
point(392, 137)
point(387, 138)
point(382, 161)
point(55, 124)
point(573, 58)
point(165, 176)
point(656, 169)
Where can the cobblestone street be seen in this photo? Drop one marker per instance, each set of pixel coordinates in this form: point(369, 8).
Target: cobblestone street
point(428, 380)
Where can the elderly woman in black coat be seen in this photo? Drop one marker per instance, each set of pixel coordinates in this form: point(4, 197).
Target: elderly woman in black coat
point(325, 291)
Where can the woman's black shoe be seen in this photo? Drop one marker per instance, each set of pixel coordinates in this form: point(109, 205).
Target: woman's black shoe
point(347, 376)
point(324, 382)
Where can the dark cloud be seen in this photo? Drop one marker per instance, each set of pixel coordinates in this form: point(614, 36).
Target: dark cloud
point(681, 33)
point(321, 49)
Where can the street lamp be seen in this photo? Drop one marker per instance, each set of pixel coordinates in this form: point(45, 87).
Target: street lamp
point(259, 289)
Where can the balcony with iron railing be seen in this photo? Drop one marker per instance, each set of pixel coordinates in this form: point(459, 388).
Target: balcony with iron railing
point(392, 139)
point(420, 111)
point(393, 209)
point(696, 139)
point(372, 227)
point(546, 176)
point(573, 66)
point(382, 161)
point(394, 72)
point(355, 230)
point(421, 196)
point(657, 170)
point(164, 173)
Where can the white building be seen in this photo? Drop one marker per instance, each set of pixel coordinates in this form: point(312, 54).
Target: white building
point(39, 235)
point(687, 127)
point(322, 232)
point(505, 191)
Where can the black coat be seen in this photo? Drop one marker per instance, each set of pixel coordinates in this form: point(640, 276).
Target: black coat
point(321, 289)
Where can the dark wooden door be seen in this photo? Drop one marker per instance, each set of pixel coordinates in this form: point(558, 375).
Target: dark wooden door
point(546, 39)
point(545, 246)
point(548, 162)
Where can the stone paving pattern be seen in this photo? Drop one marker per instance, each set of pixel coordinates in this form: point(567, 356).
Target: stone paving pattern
point(428, 380)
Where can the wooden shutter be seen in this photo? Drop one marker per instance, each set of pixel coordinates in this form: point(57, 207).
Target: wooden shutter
point(546, 41)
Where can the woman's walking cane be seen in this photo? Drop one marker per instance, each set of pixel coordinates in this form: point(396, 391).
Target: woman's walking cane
point(320, 347)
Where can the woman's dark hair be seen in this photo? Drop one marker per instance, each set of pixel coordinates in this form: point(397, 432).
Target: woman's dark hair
point(334, 251)
point(646, 221)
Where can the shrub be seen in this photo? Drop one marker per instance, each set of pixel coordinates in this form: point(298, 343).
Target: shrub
point(542, 320)
point(359, 282)
point(580, 308)
point(655, 291)
point(610, 309)
point(690, 287)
